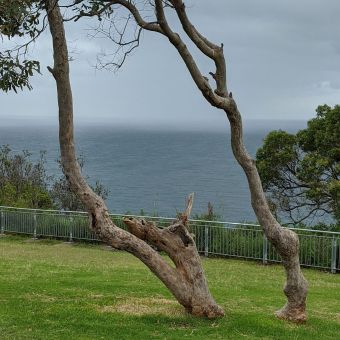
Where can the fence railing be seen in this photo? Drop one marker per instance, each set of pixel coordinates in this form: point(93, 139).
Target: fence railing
point(318, 249)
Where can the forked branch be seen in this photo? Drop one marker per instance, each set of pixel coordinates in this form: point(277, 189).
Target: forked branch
point(285, 241)
point(169, 239)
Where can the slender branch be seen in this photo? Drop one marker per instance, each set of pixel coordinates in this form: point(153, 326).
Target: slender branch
point(186, 215)
point(211, 50)
point(150, 26)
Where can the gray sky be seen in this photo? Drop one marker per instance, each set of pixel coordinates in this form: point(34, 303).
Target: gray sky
point(283, 60)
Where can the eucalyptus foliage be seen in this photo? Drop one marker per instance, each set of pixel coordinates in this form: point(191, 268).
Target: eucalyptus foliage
point(301, 172)
point(18, 19)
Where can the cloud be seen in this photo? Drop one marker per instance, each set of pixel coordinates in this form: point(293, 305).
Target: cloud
point(283, 60)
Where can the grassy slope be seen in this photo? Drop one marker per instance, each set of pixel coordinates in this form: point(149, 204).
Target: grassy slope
point(52, 290)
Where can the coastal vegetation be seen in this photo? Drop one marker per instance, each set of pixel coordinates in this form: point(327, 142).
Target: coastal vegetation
point(24, 183)
point(301, 172)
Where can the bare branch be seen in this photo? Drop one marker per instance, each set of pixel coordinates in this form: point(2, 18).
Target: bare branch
point(185, 216)
point(211, 50)
point(150, 26)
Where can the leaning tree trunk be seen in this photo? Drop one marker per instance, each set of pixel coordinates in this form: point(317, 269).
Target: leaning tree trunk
point(285, 241)
point(186, 281)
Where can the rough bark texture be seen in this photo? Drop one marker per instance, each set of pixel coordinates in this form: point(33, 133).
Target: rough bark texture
point(187, 280)
point(285, 241)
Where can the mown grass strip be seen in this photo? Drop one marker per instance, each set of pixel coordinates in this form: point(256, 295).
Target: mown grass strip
point(53, 290)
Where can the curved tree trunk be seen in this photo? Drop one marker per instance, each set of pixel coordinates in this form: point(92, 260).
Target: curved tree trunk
point(285, 241)
point(187, 280)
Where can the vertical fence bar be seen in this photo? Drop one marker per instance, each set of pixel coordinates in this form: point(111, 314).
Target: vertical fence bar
point(35, 226)
point(2, 232)
point(334, 253)
point(338, 264)
point(265, 250)
point(70, 239)
point(206, 240)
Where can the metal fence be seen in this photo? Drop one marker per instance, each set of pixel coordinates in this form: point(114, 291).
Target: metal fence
point(318, 249)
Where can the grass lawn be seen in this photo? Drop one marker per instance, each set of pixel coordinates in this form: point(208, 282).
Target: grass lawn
point(53, 290)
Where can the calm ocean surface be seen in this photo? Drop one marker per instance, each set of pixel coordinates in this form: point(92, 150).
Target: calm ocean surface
point(155, 171)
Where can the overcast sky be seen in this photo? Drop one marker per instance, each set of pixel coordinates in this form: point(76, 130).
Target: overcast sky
point(283, 60)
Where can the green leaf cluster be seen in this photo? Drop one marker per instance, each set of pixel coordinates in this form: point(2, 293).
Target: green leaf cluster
point(18, 18)
point(301, 172)
point(23, 183)
point(15, 74)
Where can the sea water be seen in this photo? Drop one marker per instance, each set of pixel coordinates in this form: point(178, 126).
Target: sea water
point(155, 170)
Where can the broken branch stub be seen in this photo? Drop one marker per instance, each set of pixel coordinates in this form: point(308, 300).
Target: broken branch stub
point(177, 242)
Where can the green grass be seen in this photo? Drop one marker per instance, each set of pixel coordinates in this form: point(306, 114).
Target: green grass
point(52, 290)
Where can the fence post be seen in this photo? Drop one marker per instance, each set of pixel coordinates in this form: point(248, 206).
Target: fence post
point(2, 232)
point(206, 241)
point(34, 226)
point(70, 239)
point(334, 253)
point(265, 250)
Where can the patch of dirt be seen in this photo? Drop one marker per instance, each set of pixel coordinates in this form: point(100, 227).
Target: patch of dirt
point(145, 306)
point(40, 297)
point(95, 296)
point(326, 315)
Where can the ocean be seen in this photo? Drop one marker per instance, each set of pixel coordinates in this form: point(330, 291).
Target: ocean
point(155, 170)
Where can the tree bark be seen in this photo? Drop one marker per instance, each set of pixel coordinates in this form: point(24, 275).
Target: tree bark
point(186, 281)
point(286, 242)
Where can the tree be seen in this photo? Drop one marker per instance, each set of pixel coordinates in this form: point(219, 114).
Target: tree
point(186, 281)
point(18, 18)
point(197, 298)
point(23, 183)
point(285, 241)
point(301, 172)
